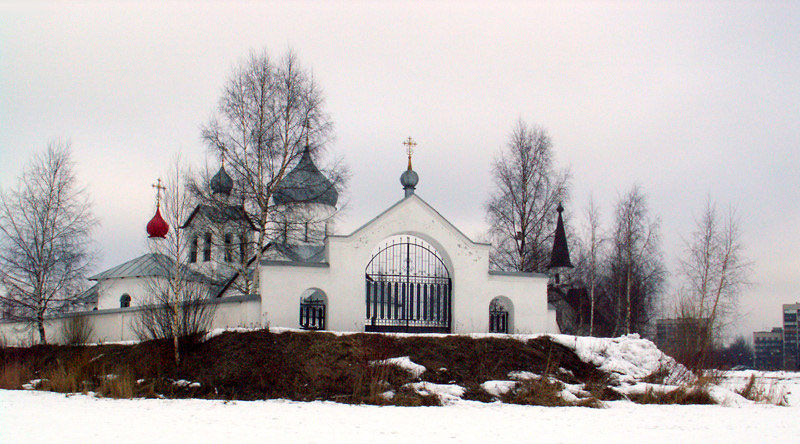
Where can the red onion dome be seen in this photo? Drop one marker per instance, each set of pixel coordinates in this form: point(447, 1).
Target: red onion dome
point(157, 227)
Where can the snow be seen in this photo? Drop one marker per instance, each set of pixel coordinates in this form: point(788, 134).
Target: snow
point(218, 331)
point(498, 388)
point(81, 418)
point(404, 363)
point(447, 393)
point(522, 375)
point(33, 384)
point(629, 358)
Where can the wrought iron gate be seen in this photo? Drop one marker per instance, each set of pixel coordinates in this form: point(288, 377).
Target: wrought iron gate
point(498, 317)
point(408, 289)
point(312, 313)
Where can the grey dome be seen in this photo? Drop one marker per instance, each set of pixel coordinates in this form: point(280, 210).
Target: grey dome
point(306, 184)
point(409, 179)
point(222, 182)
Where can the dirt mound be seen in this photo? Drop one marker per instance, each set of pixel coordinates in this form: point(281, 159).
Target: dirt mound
point(305, 366)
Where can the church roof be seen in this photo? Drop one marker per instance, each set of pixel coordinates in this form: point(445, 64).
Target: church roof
point(89, 296)
point(305, 184)
point(306, 254)
point(219, 214)
point(560, 254)
point(148, 265)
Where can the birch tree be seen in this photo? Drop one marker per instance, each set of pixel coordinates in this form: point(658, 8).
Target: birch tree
point(45, 247)
point(268, 111)
point(522, 208)
point(714, 270)
point(178, 304)
point(637, 270)
point(595, 243)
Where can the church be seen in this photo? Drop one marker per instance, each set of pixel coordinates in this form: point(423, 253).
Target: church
point(407, 270)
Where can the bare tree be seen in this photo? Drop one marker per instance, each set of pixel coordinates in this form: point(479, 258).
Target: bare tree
point(714, 271)
point(269, 112)
point(636, 267)
point(593, 252)
point(521, 210)
point(45, 224)
point(179, 304)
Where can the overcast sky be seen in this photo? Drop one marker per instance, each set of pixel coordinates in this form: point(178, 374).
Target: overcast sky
point(688, 100)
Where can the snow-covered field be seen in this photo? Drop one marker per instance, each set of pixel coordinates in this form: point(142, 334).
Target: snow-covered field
point(33, 416)
point(37, 416)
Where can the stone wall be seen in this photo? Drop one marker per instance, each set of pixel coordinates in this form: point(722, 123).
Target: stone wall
point(116, 324)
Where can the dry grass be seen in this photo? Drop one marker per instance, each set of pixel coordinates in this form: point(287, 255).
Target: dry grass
point(757, 391)
point(539, 391)
point(13, 374)
point(683, 395)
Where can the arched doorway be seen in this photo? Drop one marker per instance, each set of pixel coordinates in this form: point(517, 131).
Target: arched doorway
point(408, 288)
point(313, 305)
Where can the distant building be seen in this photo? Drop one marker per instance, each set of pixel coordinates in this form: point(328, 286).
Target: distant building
point(790, 351)
point(680, 337)
point(768, 348)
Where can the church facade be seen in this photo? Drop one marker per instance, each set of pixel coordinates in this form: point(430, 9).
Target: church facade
point(407, 270)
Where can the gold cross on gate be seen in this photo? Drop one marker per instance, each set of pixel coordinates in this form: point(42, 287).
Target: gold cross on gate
point(410, 144)
point(158, 188)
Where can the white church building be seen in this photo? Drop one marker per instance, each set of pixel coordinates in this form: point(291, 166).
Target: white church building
point(407, 270)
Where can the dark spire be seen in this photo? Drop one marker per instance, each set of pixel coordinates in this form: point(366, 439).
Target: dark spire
point(560, 256)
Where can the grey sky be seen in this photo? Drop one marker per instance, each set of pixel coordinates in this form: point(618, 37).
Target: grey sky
point(686, 99)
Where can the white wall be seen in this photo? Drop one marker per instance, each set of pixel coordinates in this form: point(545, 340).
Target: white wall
point(113, 325)
point(347, 256)
point(110, 291)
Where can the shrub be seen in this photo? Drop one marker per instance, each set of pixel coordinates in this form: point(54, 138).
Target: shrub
point(76, 330)
point(683, 395)
point(539, 391)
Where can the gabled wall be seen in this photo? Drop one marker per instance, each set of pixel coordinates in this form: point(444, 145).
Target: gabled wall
point(342, 278)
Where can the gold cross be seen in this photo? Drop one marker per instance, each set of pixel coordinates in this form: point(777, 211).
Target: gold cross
point(410, 144)
point(158, 188)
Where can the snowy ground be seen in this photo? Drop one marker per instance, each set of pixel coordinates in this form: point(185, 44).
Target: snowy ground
point(33, 416)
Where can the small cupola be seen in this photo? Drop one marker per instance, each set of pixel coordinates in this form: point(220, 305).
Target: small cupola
point(221, 183)
point(157, 227)
point(409, 179)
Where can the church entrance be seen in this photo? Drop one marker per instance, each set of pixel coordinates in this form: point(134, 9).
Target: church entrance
point(408, 288)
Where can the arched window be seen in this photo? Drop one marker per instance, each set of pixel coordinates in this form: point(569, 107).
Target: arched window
point(193, 250)
point(125, 300)
point(312, 310)
point(500, 315)
point(228, 247)
point(207, 248)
